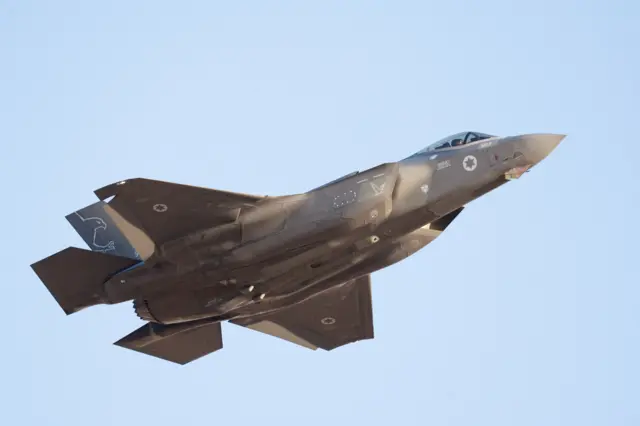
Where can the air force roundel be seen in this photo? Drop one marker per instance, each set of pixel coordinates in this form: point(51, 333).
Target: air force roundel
point(470, 163)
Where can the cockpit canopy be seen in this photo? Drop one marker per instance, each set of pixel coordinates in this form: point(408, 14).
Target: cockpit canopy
point(458, 139)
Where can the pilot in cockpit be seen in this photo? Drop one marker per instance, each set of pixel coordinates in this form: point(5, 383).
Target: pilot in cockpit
point(458, 140)
point(472, 137)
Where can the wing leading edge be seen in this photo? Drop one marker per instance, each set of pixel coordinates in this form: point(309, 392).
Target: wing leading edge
point(334, 318)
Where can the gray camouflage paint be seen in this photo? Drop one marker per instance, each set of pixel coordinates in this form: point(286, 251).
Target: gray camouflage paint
point(211, 256)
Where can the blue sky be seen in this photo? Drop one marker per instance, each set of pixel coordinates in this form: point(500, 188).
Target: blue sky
point(525, 312)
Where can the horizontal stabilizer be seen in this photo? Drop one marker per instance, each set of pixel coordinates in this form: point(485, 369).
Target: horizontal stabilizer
point(100, 232)
point(179, 343)
point(75, 277)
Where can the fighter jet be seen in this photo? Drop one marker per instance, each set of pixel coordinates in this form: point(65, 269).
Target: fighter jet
point(297, 267)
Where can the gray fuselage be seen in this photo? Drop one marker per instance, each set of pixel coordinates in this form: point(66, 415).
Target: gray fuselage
point(288, 249)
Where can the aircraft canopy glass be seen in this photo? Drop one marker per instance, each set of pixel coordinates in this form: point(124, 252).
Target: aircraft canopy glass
point(458, 139)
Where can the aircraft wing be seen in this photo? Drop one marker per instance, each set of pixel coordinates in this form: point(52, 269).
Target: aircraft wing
point(165, 211)
point(333, 318)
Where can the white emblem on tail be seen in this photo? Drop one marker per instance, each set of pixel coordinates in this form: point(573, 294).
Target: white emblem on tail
point(98, 225)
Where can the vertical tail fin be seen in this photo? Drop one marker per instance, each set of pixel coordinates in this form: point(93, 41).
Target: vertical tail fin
point(98, 229)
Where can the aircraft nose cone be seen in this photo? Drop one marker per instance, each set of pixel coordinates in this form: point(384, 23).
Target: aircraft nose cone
point(539, 146)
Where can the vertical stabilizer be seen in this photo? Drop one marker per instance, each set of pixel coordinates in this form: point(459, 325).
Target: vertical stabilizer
point(98, 229)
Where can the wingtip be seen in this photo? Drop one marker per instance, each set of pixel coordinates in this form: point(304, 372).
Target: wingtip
point(111, 189)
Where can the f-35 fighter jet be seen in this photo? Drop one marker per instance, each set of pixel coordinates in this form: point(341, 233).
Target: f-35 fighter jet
point(295, 266)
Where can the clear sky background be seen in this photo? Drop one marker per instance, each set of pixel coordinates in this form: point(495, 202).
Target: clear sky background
point(525, 311)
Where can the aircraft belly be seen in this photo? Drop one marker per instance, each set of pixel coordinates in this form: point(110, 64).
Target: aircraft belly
point(301, 283)
point(297, 287)
point(191, 305)
point(282, 282)
point(294, 286)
